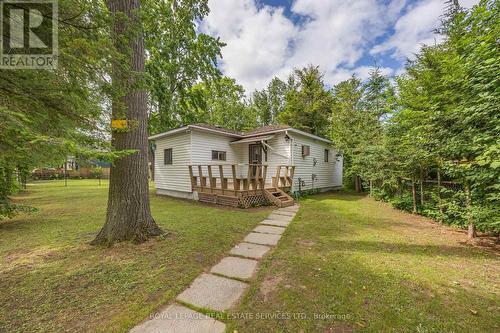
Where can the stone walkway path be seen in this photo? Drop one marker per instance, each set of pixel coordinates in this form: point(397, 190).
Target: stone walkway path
point(221, 289)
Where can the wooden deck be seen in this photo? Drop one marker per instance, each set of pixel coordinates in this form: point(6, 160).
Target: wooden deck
point(242, 185)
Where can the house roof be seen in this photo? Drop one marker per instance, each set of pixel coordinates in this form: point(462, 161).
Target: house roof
point(217, 128)
point(269, 129)
point(266, 129)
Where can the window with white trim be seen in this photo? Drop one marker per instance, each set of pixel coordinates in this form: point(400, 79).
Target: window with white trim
point(306, 150)
point(218, 155)
point(167, 156)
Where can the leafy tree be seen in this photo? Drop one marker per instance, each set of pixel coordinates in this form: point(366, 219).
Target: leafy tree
point(47, 114)
point(379, 95)
point(346, 124)
point(261, 103)
point(446, 120)
point(178, 58)
point(309, 104)
point(357, 125)
point(469, 131)
point(270, 102)
point(223, 104)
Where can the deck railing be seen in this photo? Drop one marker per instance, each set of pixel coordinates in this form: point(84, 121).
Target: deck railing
point(231, 179)
point(284, 176)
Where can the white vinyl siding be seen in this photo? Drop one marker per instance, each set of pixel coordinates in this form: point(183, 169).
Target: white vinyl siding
point(328, 174)
point(279, 155)
point(202, 144)
point(173, 176)
point(194, 147)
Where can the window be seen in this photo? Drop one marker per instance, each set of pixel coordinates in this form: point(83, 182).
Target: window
point(327, 152)
point(218, 155)
point(167, 156)
point(306, 150)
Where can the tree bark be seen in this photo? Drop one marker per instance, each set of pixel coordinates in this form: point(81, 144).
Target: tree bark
point(439, 195)
point(128, 215)
point(414, 195)
point(421, 186)
point(152, 161)
point(357, 183)
point(471, 228)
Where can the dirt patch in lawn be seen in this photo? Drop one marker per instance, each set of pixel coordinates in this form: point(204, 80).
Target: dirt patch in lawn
point(27, 258)
point(269, 285)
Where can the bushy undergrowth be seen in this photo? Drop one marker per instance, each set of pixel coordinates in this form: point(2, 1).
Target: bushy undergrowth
point(446, 206)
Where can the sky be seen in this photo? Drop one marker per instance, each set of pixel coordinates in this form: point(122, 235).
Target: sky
point(268, 38)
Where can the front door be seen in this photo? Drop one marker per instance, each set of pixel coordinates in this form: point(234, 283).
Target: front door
point(255, 156)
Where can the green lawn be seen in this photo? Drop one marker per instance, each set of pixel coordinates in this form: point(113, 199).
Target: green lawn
point(356, 263)
point(51, 280)
point(365, 267)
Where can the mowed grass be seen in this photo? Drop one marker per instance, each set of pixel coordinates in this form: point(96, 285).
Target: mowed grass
point(52, 280)
point(361, 266)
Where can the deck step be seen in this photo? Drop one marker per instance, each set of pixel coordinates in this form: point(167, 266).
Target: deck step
point(278, 197)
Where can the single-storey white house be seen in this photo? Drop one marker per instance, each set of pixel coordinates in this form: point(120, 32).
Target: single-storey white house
point(214, 164)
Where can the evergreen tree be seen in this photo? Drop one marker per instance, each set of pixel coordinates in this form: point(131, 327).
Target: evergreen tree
point(309, 104)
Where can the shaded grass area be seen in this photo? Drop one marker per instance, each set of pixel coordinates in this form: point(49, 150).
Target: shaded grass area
point(350, 264)
point(51, 280)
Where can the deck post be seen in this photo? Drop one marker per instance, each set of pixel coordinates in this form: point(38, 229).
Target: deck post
point(193, 184)
point(210, 178)
point(236, 185)
point(249, 176)
point(257, 178)
point(264, 175)
point(200, 174)
point(277, 178)
point(292, 172)
point(223, 185)
point(285, 179)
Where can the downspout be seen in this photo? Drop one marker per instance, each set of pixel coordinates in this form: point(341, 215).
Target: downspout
point(290, 158)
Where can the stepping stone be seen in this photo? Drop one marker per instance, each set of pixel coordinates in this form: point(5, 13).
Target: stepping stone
point(263, 239)
point(293, 208)
point(275, 222)
point(235, 267)
point(284, 212)
point(213, 292)
point(267, 229)
point(179, 319)
point(250, 250)
point(273, 216)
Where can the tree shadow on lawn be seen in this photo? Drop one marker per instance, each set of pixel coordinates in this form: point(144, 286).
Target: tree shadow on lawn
point(338, 195)
point(358, 298)
point(413, 249)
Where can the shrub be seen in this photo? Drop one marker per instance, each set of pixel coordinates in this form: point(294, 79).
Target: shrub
point(403, 202)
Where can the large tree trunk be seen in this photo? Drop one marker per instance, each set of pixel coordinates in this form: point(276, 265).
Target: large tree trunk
point(128, 216)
